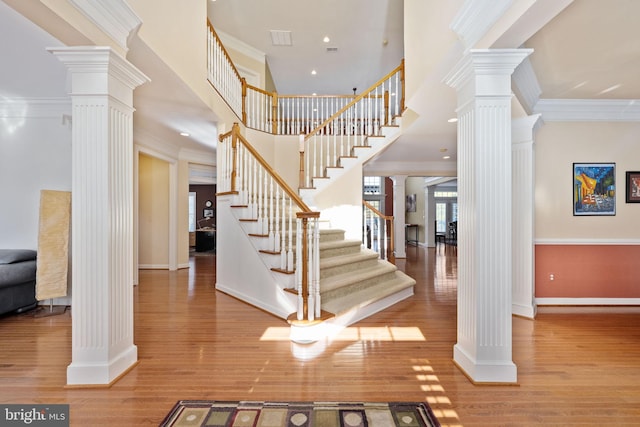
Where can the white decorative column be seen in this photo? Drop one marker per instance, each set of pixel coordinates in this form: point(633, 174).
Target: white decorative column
point(102, 84)
point(523, 158)
point(430, 214)
point(399, 207)
point(482, 80)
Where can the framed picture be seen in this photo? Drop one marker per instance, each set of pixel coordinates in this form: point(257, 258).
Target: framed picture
point(207, 213)
point(411, 202)
point(594, 189)
point(633, 187)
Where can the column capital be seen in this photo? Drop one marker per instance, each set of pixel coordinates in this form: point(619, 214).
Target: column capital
point(398, 179)
point(523, 128)
point(89, 64)
point(487, 63)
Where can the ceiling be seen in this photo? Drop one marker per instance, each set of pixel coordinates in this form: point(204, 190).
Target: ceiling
point(590, 50)
point(365, 40)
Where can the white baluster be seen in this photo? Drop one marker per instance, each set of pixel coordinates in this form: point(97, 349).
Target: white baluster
point(316, 266)
point(283, 245)
point(253, 209)
point(310, 269)
point(289, 266)
point(299, 269)
point(258, 191)
point(271, 242)
point(276, 233)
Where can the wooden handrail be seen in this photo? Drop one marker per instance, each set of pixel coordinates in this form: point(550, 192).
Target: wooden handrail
point(377, 212)
point(356, 99)
point(294, 196)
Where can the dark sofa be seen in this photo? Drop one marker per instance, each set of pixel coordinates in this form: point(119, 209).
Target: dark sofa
point(17, 280)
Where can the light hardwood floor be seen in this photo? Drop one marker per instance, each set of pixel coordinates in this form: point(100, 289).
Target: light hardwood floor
point(574, 368)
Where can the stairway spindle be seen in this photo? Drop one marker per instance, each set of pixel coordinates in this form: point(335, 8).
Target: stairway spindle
point(310, 269)
point(290, 251)
point(271, 241)
point(316, 266)
point(300, 313)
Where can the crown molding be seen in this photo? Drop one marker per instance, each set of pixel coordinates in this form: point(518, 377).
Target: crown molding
point(34, 107)
point(589, 110)
point(230, 42)
point(434, 168)
point(475, 18)
point(525, 85)
point(113, 17)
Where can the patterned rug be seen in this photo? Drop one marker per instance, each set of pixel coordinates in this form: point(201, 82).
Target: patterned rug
point(299, 414)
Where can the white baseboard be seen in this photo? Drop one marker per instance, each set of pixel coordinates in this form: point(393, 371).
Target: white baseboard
point(153, 266)
point(587, 301)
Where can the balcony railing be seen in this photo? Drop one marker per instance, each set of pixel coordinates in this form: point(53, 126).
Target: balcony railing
point(302, 114)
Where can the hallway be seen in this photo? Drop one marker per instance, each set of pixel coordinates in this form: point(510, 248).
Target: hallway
point(197, 343)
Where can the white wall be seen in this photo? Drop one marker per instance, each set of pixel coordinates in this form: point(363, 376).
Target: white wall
point(153, 213)
point(35, 155)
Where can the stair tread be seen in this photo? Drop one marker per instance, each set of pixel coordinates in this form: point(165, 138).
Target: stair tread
point(370, 295)
point(348, 278)
point(332, 244)
point(335, 261)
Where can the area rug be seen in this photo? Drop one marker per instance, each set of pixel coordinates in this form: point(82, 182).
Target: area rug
point(299, 414)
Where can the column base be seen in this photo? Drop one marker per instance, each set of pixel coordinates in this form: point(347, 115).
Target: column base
point(88, 373)
point(496, 372)
point(527, 311)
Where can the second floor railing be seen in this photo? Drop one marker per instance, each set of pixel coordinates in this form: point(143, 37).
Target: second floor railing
point(295, 114)
point(223, 75)
point(289, 226)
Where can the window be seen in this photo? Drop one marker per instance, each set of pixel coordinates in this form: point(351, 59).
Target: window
point(445, 194)
point(372, 185)
point(441, 217)
point(192, 211)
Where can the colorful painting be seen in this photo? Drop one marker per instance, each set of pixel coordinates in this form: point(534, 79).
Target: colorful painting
point(594, 189)
point(633, 187)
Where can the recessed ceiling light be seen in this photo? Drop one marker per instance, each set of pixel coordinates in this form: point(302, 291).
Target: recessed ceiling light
point(453, 120)
point(326, 39)
point(185, 134)
point(446, 157)
point(313, 72)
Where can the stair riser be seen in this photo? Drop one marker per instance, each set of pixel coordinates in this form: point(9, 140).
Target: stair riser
point(354, 287)
point(343, 250)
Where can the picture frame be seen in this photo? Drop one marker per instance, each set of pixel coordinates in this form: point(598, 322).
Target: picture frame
point(632, 192)
point(411, 202)
point(594, 189)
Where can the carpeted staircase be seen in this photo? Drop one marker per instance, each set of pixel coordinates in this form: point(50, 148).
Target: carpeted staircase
point(352, 277)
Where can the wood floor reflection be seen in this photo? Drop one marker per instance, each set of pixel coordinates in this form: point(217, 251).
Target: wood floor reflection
point(574, 368)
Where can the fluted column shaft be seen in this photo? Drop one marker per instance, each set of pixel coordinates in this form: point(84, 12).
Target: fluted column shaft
point(102, 86)
point(399, 204)
point(483, 83)
point(523, 156)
